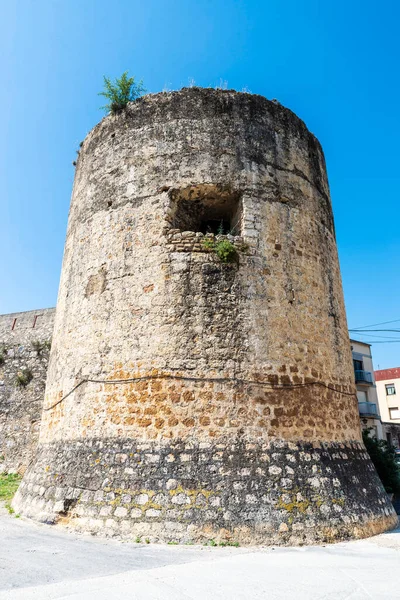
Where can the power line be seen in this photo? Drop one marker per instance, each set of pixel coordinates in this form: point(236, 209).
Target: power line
point(381, 342)
point(386, 337)
point(376, 324)
point(368, 330)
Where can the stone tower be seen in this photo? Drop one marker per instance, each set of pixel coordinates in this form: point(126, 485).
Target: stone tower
point(190, 398)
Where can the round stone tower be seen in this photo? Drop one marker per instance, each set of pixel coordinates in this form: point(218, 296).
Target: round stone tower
point(200, 382)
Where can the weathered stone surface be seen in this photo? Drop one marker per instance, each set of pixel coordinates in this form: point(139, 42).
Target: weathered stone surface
point(24, 347)
point(236, 370)
point(262, 508)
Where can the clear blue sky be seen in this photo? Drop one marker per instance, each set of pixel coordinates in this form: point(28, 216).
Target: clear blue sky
point(336, 64)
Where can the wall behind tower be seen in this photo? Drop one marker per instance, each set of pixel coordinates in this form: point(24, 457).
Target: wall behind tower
point(24, 347)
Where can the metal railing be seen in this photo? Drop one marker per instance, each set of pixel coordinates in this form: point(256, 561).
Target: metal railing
point(363, 376)
point(368, 409)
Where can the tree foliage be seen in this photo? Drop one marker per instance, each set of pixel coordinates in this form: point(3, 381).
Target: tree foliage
point(118, 93)
point(383, 456)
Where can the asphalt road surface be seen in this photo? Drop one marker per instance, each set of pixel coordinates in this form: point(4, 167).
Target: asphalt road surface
point(46, 563)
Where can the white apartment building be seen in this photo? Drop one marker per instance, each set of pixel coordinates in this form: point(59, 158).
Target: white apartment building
point(388, 388)
point(367, 396)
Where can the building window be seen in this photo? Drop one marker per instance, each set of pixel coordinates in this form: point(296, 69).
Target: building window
point(394, 413)
point(390, 389)
point(358, 365)
point(362, 396)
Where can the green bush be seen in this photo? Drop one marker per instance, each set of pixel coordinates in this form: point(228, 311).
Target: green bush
point(383, 456)
point(119, 93)
point(226, 251)
point(39, 346)
point(23, 377)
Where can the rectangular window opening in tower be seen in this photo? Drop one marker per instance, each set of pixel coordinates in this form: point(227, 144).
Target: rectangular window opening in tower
point(207, 209)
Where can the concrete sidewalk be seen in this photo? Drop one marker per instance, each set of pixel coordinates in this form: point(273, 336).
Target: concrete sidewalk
point(46, 563)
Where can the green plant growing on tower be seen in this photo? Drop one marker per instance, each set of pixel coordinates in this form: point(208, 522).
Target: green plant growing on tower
point(120, 92)
point(208, 244)
point(225, 251)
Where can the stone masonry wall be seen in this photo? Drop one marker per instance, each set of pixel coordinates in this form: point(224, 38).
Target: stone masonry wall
point(231, 491)
point(191, 241)
point(24, 348)
point(187, 397)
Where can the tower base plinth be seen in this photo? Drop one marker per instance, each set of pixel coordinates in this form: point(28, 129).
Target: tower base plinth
point(238, 491)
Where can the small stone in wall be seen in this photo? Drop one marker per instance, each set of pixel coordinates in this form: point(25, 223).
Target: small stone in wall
point(181, 499)
point(141, 499)
point(152, 512)
point(274, 470)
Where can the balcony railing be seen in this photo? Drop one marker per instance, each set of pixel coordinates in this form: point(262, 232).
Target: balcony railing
point(363, 377)
point(367, 409)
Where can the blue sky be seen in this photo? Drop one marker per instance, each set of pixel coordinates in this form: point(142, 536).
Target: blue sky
point(335, 64)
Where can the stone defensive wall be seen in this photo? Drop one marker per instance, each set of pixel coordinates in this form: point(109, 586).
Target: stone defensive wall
point(25, 339)
point(189, 398)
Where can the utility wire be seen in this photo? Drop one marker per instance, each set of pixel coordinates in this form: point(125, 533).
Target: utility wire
point(385, 337)
point(376, 324)
point(201, 379)
point(368, 330)
point(381, 342)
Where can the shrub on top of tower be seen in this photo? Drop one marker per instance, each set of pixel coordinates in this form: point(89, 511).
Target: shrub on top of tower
point(123, 90)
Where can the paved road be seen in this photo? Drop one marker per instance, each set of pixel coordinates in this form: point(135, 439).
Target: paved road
point(46, 563)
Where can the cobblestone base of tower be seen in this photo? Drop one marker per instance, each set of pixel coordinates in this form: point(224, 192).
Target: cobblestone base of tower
point(241, 491)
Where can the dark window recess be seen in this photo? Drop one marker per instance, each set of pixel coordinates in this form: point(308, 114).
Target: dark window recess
point(358, 365)
point(207, 209)
point(216, 226)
